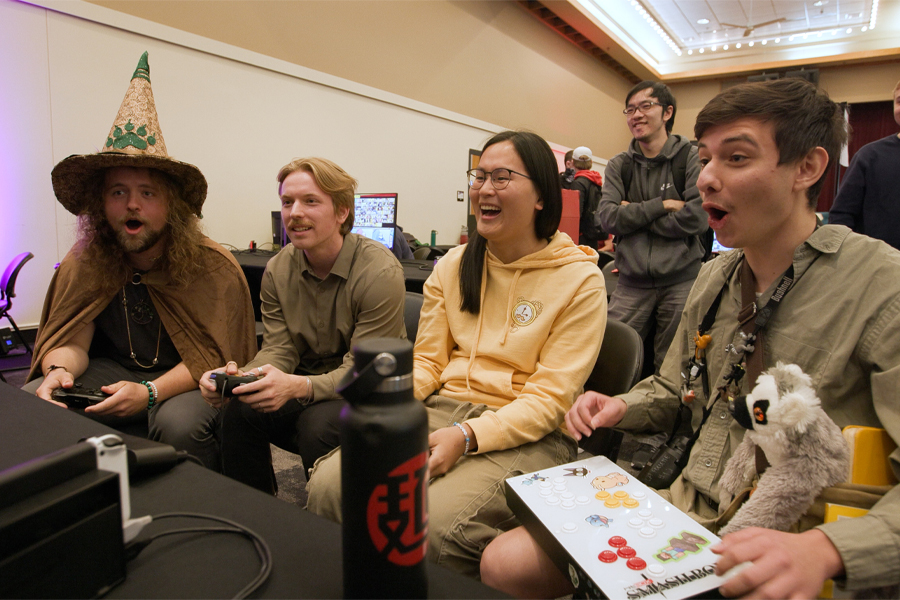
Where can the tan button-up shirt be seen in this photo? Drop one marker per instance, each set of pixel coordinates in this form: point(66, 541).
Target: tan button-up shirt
point(311, 324)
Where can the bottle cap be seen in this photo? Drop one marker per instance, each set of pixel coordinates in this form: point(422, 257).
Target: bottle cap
point(379, 365)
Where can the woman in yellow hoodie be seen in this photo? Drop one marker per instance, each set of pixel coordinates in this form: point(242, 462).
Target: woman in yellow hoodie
point(510, 328)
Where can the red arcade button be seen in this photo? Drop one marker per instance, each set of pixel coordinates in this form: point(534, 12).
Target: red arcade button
point(617, 541)
point(636, 563)
point(626, 552)
point(608, 556)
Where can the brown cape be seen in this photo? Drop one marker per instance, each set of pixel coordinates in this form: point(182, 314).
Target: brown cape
point(210, 320)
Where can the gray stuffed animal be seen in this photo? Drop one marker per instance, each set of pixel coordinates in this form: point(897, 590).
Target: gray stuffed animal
point(804, 447)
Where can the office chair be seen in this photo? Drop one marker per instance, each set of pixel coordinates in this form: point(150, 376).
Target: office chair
point(411, 309)
point(610, 278)
point(617, 369)
point(8, 291)
point(618, 365)
point(605, 258)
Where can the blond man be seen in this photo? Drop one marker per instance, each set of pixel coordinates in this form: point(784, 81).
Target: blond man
point(320, 295)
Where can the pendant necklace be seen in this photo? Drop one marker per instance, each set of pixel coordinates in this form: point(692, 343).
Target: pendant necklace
point(142, 314)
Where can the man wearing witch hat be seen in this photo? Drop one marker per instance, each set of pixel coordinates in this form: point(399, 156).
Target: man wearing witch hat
point(143, 304)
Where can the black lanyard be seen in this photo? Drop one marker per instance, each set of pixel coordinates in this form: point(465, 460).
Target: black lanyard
point(697, 364)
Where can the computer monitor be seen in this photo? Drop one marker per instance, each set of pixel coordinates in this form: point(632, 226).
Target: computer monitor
point(375, 216)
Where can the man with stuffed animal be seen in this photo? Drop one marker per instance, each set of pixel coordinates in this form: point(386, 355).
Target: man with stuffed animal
point(823, 298)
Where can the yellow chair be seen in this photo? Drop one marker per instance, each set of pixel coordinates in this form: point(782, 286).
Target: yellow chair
point(870, 450)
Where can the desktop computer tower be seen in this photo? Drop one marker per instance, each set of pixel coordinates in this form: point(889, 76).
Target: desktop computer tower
point(279, 237)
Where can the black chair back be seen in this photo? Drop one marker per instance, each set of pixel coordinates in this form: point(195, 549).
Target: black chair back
point(411, 309)
point(605, 258)
point(8, 283)
point(617, 369)
point(8, 292)
point(610, 278)
point(618, 366)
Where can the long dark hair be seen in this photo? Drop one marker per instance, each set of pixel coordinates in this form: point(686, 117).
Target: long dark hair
point(541, 165)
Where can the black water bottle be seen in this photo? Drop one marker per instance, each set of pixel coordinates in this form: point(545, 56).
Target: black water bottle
point(384, 468)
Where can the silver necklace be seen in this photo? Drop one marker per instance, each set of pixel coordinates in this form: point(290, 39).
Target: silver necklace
point(143, 310)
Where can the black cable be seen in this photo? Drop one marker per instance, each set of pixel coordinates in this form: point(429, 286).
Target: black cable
point(262, 549)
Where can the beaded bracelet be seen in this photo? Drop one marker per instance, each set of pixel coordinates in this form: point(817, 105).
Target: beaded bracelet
point(466, 434)
point(151, 387)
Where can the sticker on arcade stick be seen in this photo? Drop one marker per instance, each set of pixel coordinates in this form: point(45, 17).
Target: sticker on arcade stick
point(605, 482)
point(577, 472)
point(680, 547)
point(533, 478)
point(598, 521)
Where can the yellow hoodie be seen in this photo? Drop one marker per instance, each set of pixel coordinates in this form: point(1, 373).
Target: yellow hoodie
point(527, 353)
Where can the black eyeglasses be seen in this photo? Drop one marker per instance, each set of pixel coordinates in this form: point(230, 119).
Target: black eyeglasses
point(499, 177)
point(643, 107)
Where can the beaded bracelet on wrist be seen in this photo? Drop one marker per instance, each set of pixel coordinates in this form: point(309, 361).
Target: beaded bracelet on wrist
point(151, 388)
point(466, 434)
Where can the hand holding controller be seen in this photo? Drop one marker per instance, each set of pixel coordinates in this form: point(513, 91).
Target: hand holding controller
point(225, 383)
point(79, 396)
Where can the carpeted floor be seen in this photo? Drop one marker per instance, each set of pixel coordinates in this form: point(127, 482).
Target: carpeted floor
point(291, 476)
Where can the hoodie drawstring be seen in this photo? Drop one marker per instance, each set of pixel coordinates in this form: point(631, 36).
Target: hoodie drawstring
point(509, 305)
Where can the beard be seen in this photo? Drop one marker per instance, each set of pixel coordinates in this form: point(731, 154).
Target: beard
point(136, 244)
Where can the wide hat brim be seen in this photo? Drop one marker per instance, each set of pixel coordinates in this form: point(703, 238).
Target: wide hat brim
point(75, 178)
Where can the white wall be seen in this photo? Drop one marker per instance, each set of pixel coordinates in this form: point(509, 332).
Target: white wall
point(237, 115)
point(27, 204)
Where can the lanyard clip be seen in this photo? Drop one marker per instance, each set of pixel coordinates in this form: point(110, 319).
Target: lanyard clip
point(700, 344)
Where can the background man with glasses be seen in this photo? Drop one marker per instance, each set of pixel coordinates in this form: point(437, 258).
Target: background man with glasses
point(651, 204)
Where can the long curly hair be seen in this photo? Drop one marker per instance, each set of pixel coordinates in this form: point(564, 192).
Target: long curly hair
point(97, 243)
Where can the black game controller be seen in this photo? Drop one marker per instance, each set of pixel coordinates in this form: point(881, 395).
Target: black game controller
point(225, 383)
point(78, 396)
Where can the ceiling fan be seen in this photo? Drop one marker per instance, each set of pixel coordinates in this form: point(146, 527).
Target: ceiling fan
point(748, 28)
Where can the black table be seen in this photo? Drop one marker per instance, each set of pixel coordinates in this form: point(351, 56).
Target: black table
point(253, 263)
point(306, 549)
point(415, 272)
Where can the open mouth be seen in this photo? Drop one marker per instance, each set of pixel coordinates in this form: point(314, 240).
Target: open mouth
point(298, 228)
point(489, 210)
point(133, 225)
point(716, 215)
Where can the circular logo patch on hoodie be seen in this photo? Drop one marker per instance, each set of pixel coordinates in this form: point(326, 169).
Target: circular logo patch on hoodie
point(525, 312)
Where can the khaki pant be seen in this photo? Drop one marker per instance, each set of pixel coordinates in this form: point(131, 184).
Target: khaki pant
point(466, 506)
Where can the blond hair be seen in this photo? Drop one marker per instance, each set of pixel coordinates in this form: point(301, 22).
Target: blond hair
point(332, 180)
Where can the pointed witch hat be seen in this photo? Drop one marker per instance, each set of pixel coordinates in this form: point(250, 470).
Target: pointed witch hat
point(135, 140)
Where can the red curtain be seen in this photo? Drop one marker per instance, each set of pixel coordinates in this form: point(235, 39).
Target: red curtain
point(869, 121)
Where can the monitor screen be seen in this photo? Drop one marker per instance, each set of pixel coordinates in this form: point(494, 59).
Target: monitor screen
point(385, 235)
point(375, 216)
point(375, 210)
point(718, 247)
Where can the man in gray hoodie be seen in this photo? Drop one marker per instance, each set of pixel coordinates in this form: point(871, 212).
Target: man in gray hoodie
point(651, 204)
